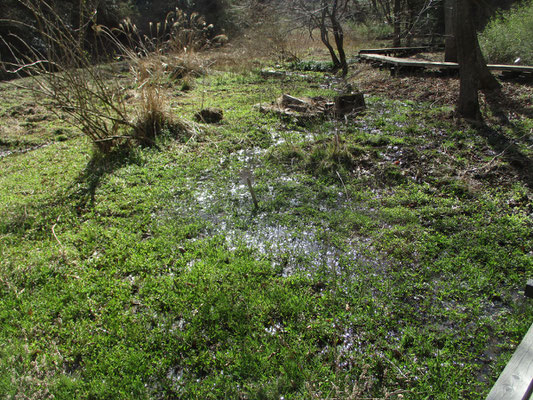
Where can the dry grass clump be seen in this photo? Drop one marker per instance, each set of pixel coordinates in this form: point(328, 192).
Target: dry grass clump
point(186, 66)
point(154, 118)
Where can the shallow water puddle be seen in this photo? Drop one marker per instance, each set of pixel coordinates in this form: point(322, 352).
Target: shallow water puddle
point(291, 234)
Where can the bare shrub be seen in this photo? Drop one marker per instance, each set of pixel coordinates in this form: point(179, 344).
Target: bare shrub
point(326, 17)
point(64, 71)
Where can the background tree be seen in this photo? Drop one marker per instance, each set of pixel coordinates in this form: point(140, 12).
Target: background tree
point(18, 24)
point(326, 16)
point(450, 51)
point(408, 18)
point(507, 38)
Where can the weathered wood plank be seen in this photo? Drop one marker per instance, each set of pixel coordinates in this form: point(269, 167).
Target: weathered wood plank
point(403, 62)
point(396, 61)
point(395, 50)
point(516, 380)
point(509, 67)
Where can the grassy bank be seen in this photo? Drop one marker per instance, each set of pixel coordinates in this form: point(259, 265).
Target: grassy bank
point(386, 258)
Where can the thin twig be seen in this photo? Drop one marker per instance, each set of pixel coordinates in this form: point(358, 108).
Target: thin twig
point(489, 163)
point(345, 190)
point(33, 64)
point(56, 238)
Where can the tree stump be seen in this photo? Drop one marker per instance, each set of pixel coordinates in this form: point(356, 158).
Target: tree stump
point(349, 103)
point(210, 115)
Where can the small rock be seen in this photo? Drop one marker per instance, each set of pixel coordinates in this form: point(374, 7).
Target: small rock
point(219, 40)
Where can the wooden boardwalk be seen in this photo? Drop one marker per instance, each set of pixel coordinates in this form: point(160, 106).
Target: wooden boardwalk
point(397, 51)
point(516, 380)
point(396, 63)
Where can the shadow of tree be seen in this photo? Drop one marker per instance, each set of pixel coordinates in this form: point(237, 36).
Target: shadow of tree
point(501, 106)
point(38, 217)
point(84, 188)
point(509, 151)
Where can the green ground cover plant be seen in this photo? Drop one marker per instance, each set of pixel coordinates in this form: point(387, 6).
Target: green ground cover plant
point(385, 260)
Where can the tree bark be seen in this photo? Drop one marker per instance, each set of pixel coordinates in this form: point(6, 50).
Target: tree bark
point(450, 49)
point(325, 40)
point(338, 34)
point(397, 40)
point(473, 71)
point(486, 79)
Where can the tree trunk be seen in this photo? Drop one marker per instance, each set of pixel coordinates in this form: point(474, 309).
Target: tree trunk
point(338, 34)
point(339, 41)
point(397, 41)
point(410, 25)
point(325, 39)
point(465, 35)
point(486, 79)
point(450, 50)
point(473, 71)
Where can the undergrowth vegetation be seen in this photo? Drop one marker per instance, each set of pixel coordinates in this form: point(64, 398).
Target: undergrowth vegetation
point(385, 259)
point(65, 74)
point(507, 37)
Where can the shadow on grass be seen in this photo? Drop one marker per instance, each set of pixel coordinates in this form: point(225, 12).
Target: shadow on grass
point(99, 166)
point(39, 217)
point(501, 105)
point(510, 152)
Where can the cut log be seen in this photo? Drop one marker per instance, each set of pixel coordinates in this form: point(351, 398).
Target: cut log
point(290, 101)
point(304, 109)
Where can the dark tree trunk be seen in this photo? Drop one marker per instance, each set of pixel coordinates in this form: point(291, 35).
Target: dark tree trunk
point(465, 35)
point(338, 34)
point(339, 41)
point(473, 71)
point(450, 50)
point(410, 25)
point(325, 39)
point(486, 79)
point(397, 40)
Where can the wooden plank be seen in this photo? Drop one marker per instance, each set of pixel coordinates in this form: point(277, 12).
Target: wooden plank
point(409, 62)
point(404, 62)
point(516, 380)
point(508, 67)
point(391, 50)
